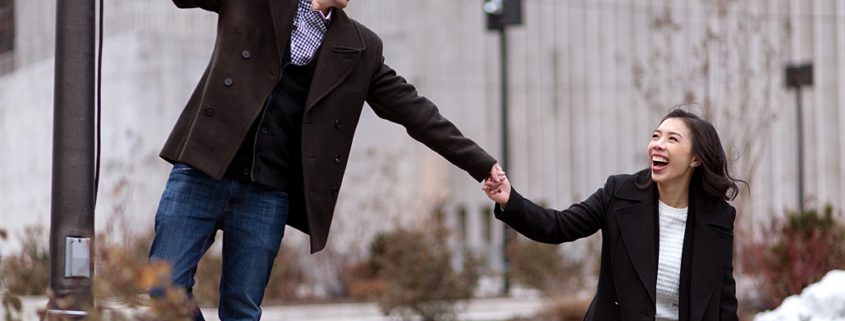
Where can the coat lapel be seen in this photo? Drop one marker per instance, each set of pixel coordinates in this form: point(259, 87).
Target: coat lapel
point(283, 12)
point(342, 46)
point(637, 225)
point(713, 241)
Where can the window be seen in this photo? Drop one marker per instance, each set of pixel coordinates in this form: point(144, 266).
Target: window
point(487, 223)
point(462, 224)
point(7, 25)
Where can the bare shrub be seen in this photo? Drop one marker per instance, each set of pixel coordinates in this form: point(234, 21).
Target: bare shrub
point(561, 308)
point(10, 303)
point(285, 279)
point(543, 267)
point(565, 308)
point(419, 279)
point(361, 280)
point(28, 272)
point(287, 276)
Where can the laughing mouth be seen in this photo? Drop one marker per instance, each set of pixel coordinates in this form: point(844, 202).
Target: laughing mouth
point(659, 162)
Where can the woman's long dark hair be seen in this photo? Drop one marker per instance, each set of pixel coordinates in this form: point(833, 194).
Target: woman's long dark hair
point(712, 176)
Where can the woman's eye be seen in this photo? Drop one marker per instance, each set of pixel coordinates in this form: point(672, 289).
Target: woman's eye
point(673, 139)
point(654, 136)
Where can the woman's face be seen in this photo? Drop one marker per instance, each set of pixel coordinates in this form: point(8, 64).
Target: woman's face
point(670, 152)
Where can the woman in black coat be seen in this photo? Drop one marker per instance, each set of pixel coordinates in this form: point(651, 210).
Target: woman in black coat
point(667, 231)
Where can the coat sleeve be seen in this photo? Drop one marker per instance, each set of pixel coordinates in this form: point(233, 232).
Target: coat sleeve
point(728, 304)
point(393, 99)
point(210, 5)
point(553, 226)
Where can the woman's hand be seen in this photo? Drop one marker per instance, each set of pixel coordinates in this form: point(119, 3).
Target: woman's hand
point(498, 192)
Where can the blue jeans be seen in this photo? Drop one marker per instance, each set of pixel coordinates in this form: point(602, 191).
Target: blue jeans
point(193, 207)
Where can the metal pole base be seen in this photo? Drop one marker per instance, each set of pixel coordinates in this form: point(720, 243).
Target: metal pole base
point(61, 315)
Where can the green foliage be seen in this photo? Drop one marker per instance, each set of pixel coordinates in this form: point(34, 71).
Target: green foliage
point(797, 251)
point(416, 267)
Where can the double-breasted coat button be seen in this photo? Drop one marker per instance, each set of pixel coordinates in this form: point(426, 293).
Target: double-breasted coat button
point(246, 54)
point(337, 159)
point(337, 124)
point(209, 111)
point(246, 171)
point(228, 82)
point(335, 190)
point(264, 130)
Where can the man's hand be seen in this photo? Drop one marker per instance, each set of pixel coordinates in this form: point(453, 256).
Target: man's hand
point(496, 174)
point(496, 186)
point(325, 5)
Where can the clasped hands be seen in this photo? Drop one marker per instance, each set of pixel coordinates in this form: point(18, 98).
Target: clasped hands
point(497, 186)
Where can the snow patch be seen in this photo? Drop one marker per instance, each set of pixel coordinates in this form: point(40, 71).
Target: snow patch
point(822, 301)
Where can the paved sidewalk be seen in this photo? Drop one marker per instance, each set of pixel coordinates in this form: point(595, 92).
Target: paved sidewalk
point(495, 309)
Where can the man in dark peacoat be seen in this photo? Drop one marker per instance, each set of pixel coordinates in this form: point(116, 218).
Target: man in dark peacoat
point(253, 47)
point(245, 67)
point(626, 214)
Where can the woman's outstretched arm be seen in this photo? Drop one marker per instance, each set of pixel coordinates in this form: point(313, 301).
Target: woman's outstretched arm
point(549, 225)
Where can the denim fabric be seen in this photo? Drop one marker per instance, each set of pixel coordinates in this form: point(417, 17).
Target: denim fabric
point(193, 207)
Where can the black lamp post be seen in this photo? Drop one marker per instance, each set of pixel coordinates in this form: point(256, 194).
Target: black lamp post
point(500, 14)
point(799, 75)
point(72, 201)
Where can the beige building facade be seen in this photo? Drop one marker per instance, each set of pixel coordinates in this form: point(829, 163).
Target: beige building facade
point(588, 82)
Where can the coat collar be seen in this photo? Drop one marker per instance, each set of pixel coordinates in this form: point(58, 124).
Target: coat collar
point(341, 48)
point(637, 225)
point(712, 239)
point(711, 249)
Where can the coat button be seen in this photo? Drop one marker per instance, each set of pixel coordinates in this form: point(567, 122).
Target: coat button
point(335, 190)
point(337, 159)
point(246, 54)
point(337, 124)
point(264, 130)
point(209, 111)
point(228, 82)
point(246, 171)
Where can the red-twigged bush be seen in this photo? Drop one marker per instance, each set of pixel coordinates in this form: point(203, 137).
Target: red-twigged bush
point(794, 251)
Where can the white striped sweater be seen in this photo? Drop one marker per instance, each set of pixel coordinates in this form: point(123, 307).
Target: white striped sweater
point(672, 222)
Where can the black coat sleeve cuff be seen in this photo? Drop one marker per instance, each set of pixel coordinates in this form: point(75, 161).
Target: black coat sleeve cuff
point(515, 206)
